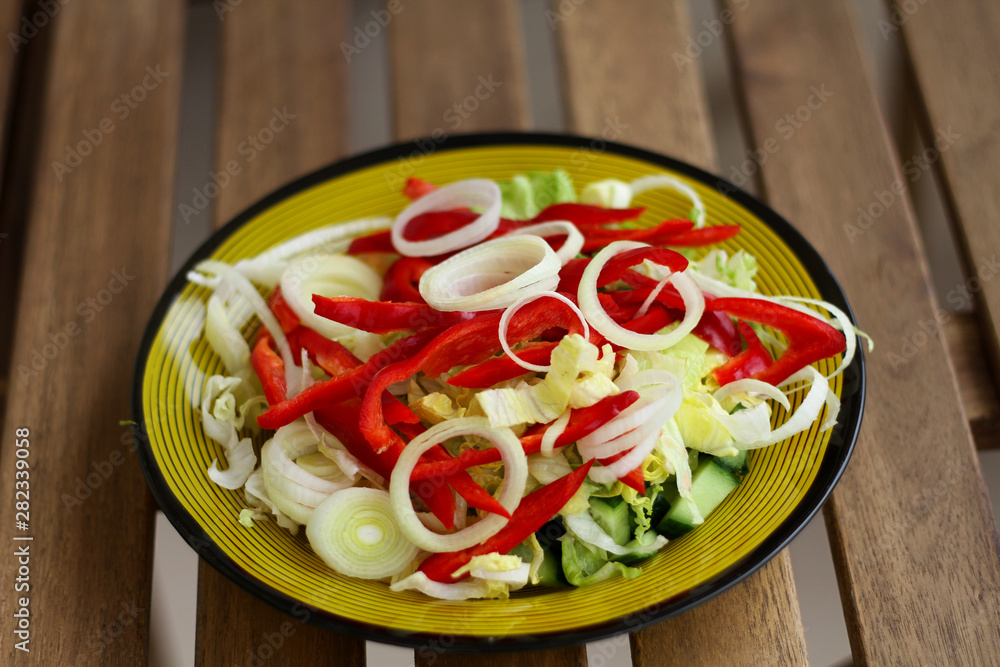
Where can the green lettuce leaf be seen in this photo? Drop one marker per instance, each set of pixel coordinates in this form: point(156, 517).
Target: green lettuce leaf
point(524, 196)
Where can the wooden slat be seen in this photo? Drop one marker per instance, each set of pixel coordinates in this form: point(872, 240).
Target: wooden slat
point(283, 81)
point(430, 75)
point(94, 264)
point(979, 395)
point(954, 51)
point(914, 540)
point(638, 86)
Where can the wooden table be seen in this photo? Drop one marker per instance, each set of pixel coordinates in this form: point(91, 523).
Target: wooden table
point(89, 99)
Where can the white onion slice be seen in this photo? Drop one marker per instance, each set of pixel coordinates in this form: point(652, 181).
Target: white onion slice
point(657, 181)
point(590, 304)
point(476, 193)
point(516, 306)
point(571, 247)
point(749, 385)
point(552, 434)
point(512, 488)
point(807, 412)
point(491, 275)
point(241, 461)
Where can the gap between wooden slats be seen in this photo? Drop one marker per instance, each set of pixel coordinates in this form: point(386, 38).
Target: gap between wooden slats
point(281, 66)
point(910, 596)
point(90, 563)
point(638, 88)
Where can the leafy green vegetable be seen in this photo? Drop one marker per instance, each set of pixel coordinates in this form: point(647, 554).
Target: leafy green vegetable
point(524, 196)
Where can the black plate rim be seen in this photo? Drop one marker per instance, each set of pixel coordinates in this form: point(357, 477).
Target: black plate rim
point(838, 454)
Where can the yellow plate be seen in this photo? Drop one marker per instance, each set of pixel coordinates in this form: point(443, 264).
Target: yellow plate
point(787, 483)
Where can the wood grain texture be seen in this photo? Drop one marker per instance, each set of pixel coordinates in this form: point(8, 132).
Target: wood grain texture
point(458, 67)
point(954, 51)
point(282, 113)
point(430, 75)
point(979, 396)
point(661, 105)
point(94, 265)
point(914, 539)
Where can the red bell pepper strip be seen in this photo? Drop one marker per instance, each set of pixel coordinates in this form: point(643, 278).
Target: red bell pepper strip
point(468, 342)
point(582, 421)
point(498, 369)
point(347, 385)
point(718, 330)
point(703, 236)
point(809, 338)
point(416, 188)
point(328, 354)
point(633, 478)
point(342, 421)
point(374, 242)
point(396, 412)
point(583, 215)
point(282, 311)
point(463, 484)
point(596, 238)
point(269, 368)
point(535, 509)
point(402, 279)
point(432, 224)
point(384, 317)
point(618, 268)
point(752, 360)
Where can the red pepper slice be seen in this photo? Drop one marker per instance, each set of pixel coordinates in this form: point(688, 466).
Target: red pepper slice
point(416, 188)
point(752, 360)
point(809, 338)
point(347, 385)
point(582, 421)
point(596, 238)
point(328, 354)
point(703, 236)
point(618, 268)
point(384, 317)
point(535, 509)
point(468, 342)
point(498, 369)
point(269, 368)
point(375, 242)
point(402, 279)
point(432, 224)
point(286, 316)
point(583, 215)
point(633, 478)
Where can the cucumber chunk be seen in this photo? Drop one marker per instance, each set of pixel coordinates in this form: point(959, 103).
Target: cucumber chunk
point(612, 514)
point(710, 485)
point(736, 463)
point(637, 557)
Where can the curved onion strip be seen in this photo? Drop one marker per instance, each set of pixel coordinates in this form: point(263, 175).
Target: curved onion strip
point(833, 409)
point(491, 275)
point(749, 385)
point(644, 308)
point(477, 193)
point(289, 443)
point(355, 533)
point(267, 267)
point(570, 247)
point(590, 304)
point(657, 181)
point(622, 442)
point(806, 414)
point(514, 307)
point(292, 508)
point(635, 457)
point(634, 417)
point(512, 488)
point(552, 433)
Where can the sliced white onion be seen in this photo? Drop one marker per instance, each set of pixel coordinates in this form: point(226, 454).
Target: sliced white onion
point(590, 304)
point(644, 308)
point(751, 386)
point(516, 306)
point(571, 247)
point(807, 412)
point(587, 530)
point(225, 339)
point(491, 275)
point(658, 181)
point(514, 578)
point(552, 434)
point(512, 488)
point(257, 495)
point(475, 193)
point(460, 590)
point(354, 532)
point(242, 461)
point(267, 267)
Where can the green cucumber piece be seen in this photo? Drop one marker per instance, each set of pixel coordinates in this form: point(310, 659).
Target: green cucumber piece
point(710, 485)
point(736, 463)
point(637, 557)
point(612, 514)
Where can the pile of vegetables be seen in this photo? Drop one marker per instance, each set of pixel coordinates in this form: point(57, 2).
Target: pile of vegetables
point(507, 383)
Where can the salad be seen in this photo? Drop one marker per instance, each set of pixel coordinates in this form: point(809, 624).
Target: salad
point(507, 384)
